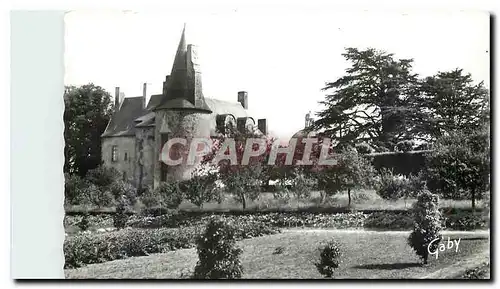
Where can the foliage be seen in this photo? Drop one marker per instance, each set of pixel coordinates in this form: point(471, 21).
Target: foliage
point(427, 225)
point(87, 111)
point(389, 221)
point(466, 221)
point(103, 177)
point(244, 183)
point(301, 184)
point(120, 217)
point(453, 102)
point(405, 146)
point(257, 224)
point(352, 171)
point(374, 101)
point(75, 189)
point(84, 222)
point(459, 167)
point(201, 187)
point(364, 148)
point(121, 189)
point(170, 194)
point(82, 249)
point(391, 187)
point(329, 258)
point(218, 256)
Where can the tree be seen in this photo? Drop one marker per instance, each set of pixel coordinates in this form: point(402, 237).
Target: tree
point(374, 101)
point(459, 166)
point(201, 188)
point(244, 181)
point(452, 102)
point(352, 171)
point(88, 109)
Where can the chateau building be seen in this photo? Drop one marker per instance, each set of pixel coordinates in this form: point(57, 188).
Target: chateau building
point(136, 133)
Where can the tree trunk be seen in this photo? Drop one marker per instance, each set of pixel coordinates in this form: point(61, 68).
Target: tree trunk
point(243, 202)
point(473, 200)
point(349, 196)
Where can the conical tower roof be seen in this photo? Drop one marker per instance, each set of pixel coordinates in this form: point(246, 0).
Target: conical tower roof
point(183, 88)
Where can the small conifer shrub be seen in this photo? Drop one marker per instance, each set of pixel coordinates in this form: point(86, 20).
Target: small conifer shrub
point(219, 258)
point(426, 234)
point(329, 258)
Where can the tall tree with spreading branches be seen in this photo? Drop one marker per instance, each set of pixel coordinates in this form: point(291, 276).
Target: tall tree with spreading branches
point(373, 101)
point(88, 109)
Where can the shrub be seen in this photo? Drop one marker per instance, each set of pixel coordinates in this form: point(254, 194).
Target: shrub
point(405, 146)
point(121, 188)
point(170, 194)
point(151, 198)
point(74, 189)
point(364, 148)
point(301, 185)
point(466, 221)
point(427, 225)
point(98, 197)
point(391, 187)
point(120, 217)
point(218, 256)
point(103, 177)
point(82, 249)
point(389, 221)
point(84, 222)
point(329, 259)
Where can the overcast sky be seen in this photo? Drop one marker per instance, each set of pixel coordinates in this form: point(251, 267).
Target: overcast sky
point(281, 56)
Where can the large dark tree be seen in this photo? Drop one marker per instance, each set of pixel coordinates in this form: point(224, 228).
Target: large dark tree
point(452, 102)
point(88, 109)
point(373, 102)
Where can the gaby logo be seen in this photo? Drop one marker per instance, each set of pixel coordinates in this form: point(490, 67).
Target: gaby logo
point(178, 150)
point(442, 247)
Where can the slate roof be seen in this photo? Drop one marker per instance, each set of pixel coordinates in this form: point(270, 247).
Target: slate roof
point(132, 115)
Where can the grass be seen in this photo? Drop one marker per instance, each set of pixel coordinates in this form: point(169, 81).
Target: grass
point(380, 255)
point(361, 200)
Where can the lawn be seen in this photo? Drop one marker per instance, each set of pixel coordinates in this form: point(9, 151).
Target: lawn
point(366, 254)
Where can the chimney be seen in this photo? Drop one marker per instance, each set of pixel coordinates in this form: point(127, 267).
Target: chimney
point(165, 85)
point(262, 125)
point(117, 98)
point(243, 99)
point(144, 90)
point(122, 96)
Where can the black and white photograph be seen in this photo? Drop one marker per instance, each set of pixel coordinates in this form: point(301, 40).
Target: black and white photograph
point(281, 143)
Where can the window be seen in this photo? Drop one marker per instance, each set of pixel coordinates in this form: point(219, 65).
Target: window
point(125, 157)
point(114, 153)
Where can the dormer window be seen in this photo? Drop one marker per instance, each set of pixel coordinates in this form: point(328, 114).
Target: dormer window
point(114, 153)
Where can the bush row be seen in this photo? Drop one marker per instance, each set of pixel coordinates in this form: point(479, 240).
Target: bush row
point(456, 220)
point(84, 249)
point(404, 221)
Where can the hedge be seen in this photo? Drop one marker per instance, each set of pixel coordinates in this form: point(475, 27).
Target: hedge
point(90, 248)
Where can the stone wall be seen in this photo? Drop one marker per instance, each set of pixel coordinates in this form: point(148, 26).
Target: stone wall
point(124, 145)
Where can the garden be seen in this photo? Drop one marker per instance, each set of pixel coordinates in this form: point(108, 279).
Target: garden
point(407, 183)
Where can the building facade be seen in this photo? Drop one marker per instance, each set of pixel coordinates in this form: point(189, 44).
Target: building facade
point(137, 131)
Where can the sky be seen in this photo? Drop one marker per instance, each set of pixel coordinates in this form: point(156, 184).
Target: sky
point(282, 56)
